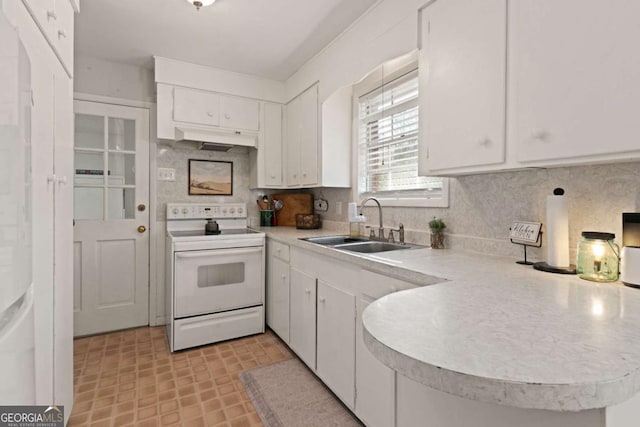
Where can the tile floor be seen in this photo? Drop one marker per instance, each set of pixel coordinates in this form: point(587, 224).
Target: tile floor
point(130, 378)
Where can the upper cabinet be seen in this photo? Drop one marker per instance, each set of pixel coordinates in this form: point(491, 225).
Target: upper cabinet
point(318, 139)
point(302, 139)
point(213, 109)
point(55, 20)
point(571, 84)
point(574, 81)
point(462, 85)
point(265, 163)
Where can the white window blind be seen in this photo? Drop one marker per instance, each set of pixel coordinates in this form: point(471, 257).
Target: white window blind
point(388, 142)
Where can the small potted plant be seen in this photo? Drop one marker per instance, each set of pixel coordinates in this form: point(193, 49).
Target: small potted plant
point(437, 226)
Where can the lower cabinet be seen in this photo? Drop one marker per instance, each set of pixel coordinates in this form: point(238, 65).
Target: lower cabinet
point(375, 382)
point(278, 297)
point(302, 332)
point(336, 340)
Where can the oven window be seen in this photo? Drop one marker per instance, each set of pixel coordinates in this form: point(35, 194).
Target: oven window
point(220, 274)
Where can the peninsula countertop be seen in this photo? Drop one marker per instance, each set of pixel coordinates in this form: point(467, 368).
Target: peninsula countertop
point(498, 332)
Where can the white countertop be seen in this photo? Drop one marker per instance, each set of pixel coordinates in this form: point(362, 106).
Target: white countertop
point(499, 332)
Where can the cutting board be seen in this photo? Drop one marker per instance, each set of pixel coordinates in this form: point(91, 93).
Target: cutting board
point(294, 203)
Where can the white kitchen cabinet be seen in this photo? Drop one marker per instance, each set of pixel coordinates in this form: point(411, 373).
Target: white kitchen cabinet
point(574, 92)
point(278, 289)
point(302, 139)
point(265, 163)
point(55, 20)
point(462, 85)
point(196, 106)
point(302, 330)
point(213, 109)
point(375, 382)
point(336, 340)
point(239, 113)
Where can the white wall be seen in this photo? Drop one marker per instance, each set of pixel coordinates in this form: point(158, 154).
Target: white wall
point(112, 79)
point(388, 30)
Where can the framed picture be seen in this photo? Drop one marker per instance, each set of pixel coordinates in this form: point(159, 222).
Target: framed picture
point(210, 178)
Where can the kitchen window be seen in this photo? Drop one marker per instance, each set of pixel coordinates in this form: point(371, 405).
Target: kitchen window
point(388, 123)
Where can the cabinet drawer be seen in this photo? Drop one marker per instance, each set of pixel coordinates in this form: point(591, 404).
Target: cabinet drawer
point(196, 106)
point(279, 250)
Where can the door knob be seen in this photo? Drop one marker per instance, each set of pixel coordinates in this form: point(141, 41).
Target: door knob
point(142, 229)
point(141, 207)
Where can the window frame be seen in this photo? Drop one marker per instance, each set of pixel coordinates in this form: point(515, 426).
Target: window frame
point(388, 72)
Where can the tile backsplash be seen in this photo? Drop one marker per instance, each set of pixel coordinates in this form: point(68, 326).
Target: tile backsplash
point(482, 207)
point(177, 156)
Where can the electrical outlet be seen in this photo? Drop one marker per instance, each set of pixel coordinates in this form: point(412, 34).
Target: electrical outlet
point(166, 174)
point(321, 205)
point(338, 208)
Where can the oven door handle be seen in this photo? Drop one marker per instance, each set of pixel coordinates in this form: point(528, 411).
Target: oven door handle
point(211, 252)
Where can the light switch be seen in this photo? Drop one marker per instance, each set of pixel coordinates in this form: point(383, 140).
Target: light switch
point(166, 174)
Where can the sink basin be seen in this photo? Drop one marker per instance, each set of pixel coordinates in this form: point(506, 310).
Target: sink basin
point(369, 247)
point(334, 240)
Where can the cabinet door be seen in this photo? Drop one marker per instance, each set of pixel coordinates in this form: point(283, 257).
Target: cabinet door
point(574, 88)
point(196, 106)
point(375, 382)
point(302, 331)
point(294, 130)
point(278, 297)
point(336, 341)
point(63, 36)
point(44, 14)
point(239, 113)
point(462, 84)
point(309, 136)
point(272, 144)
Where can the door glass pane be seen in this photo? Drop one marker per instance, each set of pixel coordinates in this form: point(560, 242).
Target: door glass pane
point(89, 131)
point(121, 203)
point(122, 168)
point(88, 203)
point(89, 165)
point(122, 134)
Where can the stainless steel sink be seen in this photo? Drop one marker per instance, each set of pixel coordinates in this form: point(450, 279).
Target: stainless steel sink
point(369, 247)
point(334, 240)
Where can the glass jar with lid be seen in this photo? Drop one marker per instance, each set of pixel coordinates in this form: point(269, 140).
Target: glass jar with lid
point(598, 257)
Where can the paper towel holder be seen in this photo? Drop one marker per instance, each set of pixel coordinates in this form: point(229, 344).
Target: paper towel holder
point(544, 266)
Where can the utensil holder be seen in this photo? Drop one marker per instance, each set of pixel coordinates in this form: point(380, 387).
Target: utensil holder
point(266, 218)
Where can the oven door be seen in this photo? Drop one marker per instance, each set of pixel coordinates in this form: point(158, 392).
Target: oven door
point(215, 280)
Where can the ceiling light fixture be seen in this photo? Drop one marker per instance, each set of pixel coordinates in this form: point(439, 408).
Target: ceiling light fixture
point(201, 3)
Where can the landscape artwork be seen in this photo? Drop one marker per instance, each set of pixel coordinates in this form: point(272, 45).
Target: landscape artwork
point(210, 177)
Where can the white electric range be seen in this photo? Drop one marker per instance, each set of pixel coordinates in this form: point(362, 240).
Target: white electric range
point(215, 281)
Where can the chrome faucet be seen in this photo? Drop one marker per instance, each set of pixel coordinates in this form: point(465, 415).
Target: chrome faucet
point(380, 228)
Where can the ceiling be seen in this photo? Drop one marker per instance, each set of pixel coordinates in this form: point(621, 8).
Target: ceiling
point(267, 38)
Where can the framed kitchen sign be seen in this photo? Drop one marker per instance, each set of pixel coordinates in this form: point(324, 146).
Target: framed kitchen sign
point(210, 178)
point(526, 234)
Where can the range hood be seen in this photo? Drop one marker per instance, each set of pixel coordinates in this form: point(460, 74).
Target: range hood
point(217, 139)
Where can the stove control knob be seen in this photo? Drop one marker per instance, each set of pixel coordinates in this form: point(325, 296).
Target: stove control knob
point(232, 211)
point(185, 211)
point(224, 211)
point(240, 210)
point(175, 211)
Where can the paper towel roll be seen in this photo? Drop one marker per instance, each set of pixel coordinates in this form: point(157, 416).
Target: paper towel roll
point(557, 230)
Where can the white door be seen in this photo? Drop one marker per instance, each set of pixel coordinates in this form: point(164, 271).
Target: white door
point(111, 215)
point(278, 297)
